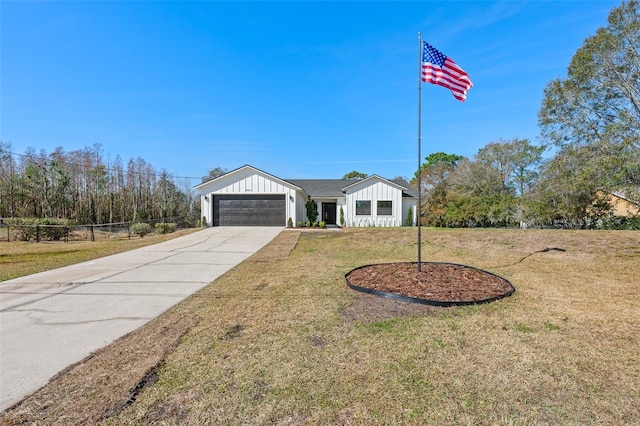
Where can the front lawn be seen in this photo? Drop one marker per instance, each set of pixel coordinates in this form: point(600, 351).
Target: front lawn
point(270, 342)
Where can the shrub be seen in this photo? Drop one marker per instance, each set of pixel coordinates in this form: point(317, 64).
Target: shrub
point(289, 223)
point(612, 222)
point(165, 228)
point(28, 228)
point(315, 224)
point(299, 224)
point(323, 224)
point(25, 228)
point(308, 224)
point(342, 222)
point(204, 221)
point(140, 229)
point(410, 217)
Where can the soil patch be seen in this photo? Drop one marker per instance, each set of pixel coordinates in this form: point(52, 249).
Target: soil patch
point(438, 284)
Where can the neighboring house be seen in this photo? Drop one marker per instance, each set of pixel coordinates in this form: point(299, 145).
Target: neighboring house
point(621, 205)
point(248, 196)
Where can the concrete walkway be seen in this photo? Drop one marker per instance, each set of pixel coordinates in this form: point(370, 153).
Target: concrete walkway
point(53, 319)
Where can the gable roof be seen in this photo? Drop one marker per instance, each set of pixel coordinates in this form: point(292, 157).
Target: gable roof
point(245, 167)
point(409, 191)
point(361, 181)
point(319, 188)
point(323, 187)
point(331, 188)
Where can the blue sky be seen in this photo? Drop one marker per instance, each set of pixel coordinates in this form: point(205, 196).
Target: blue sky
point(297, 89)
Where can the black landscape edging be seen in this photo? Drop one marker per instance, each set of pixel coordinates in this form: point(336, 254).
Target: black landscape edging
point(427, 301)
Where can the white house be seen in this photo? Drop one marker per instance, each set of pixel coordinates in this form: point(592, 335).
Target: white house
point(248, 196)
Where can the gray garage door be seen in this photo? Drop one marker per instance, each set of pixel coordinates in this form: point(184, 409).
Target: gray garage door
point(249, 210)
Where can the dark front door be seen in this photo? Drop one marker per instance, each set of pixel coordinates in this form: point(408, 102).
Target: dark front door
point(329, 213)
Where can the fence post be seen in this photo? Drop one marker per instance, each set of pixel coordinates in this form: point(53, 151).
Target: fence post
point(93, 237)
point(37, 233)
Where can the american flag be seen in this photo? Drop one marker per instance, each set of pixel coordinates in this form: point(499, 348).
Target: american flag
point(441, 70)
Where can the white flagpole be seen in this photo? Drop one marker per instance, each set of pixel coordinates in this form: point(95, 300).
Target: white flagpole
point(419, 209)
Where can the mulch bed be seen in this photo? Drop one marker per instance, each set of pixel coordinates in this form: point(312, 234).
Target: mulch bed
point(437, 284)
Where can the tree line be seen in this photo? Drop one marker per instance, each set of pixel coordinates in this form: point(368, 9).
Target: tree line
point(85, 188)
point(509, 183)
point(590, 123)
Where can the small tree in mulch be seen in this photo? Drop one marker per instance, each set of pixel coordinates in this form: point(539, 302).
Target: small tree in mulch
point(312, 210)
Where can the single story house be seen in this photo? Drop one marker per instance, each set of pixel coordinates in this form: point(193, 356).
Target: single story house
point(248, 196)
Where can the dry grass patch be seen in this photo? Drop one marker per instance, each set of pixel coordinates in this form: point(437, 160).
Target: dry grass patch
point(279, 248)
point(19, 258)
point(107, 381)
point(280, 342)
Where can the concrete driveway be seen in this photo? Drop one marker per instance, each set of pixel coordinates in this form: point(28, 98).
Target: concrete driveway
point(53, 319)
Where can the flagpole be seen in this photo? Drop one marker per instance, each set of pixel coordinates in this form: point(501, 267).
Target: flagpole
point(419, 210)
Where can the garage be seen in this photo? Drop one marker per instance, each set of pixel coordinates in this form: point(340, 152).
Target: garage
point(249, 210)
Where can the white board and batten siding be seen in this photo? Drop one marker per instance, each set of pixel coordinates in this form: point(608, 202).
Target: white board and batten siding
point(256, 184)
point(247, 181)
point(409, 204)
point(374, 190)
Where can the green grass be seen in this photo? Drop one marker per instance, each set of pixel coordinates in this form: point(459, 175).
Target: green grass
point(267, 344)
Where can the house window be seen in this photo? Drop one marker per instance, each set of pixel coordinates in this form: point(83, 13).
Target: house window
point(385, 208)
point(363, 207)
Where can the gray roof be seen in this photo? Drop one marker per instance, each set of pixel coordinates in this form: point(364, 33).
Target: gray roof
point(410, 191)
point(332, 188)
point(323, 187)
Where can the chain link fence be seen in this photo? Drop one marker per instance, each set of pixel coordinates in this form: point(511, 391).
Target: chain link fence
point(11, 231)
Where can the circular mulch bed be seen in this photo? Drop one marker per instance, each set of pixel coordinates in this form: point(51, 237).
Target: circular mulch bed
point(437, 284)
